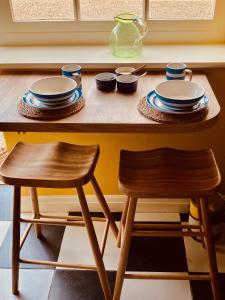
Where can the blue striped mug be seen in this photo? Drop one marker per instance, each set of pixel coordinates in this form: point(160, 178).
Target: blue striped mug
point(177, 71)
point(74, 72)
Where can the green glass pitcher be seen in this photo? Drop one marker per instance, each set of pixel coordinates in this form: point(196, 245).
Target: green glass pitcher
point(126, 37)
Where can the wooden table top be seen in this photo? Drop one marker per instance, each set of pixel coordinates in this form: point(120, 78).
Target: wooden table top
point(103, 112)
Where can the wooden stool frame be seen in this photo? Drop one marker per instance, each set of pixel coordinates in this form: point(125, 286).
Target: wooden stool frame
point(61, 165)
point(129, 228)
point(85, 221)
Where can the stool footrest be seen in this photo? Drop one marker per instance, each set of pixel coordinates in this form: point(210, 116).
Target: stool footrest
point(72, 218)
point(165, 233)
point(51, 222)
point(165, 226)
point(57, 264)
point(167, 276)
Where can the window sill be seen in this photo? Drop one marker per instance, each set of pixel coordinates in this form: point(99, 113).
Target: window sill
point(99, 57)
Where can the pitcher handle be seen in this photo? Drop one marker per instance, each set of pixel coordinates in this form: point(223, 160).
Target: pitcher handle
point(143, 25)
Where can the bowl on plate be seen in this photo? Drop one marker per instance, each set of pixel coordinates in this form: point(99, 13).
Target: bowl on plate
point(179, 93)
point(55, 88)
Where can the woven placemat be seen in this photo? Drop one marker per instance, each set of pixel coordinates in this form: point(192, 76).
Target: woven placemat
point(43, 114)
point(162, 117)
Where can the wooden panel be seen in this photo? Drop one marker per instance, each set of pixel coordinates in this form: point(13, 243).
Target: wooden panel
point(111, 112)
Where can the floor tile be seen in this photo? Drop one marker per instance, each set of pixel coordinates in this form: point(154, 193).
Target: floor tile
point(34, 284)
point(156, 289)
point(76, 247)
point(146, 254)
point(46, 248)
point(157, 254)
point(6, 202)
point(201, 290)
point(139, 217)
point(184, 217)
point(4, 227)
point(78, 285)
point(157, 217)
point(197, 256)
point(116, 215)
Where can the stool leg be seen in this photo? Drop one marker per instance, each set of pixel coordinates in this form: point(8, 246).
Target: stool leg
point(201, 223)
point(16, 240)
point(104, 206)
point(125, 249)
point(36, 211)
point(94, 244)
point(122, 222)
point(210, 249)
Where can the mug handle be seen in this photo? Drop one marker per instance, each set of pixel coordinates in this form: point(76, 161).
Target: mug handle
point(189, 72)
point(77, 78)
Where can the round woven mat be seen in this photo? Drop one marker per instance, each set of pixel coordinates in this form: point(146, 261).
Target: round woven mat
point(43, 114)
point(162, 117)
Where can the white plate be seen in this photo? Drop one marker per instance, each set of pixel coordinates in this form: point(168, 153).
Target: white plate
point(30, 100)
point(154, 102)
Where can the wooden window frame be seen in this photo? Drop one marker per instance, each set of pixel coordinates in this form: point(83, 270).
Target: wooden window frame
point(97, 32)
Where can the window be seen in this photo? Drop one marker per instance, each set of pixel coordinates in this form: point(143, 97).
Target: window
point(105, 10)
point(95, 10)
point(24, 22)
point(181, 9)
point(37, 10)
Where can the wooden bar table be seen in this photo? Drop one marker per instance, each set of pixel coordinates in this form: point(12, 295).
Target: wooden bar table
point(103, 112)
point(111, 120)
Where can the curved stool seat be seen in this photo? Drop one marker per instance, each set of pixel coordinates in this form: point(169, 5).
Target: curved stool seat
point(56, 165)
point(167, 173)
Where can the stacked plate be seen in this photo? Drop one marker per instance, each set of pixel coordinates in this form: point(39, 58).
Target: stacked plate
point(178, 97)
point(52, 93)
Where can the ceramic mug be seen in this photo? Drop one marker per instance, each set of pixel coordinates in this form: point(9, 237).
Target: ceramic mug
point(177, 71)
point(73, 71)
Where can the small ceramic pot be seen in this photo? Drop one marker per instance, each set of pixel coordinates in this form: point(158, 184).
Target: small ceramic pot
point(106, 81)
point(127, 83)
point(125, 71)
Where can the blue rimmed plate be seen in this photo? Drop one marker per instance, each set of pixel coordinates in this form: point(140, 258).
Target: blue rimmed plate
point(154, 102)
point(30, 100)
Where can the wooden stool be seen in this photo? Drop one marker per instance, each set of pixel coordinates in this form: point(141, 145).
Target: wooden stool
point(55, 165)
point(167, 173)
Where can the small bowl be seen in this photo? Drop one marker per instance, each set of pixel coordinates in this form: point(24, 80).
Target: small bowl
point(179, 92)
point(53, 88)
point(125, 71)
point(106, 81)
point(127, 83)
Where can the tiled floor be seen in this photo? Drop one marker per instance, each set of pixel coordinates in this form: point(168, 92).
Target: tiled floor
point(70, 244)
